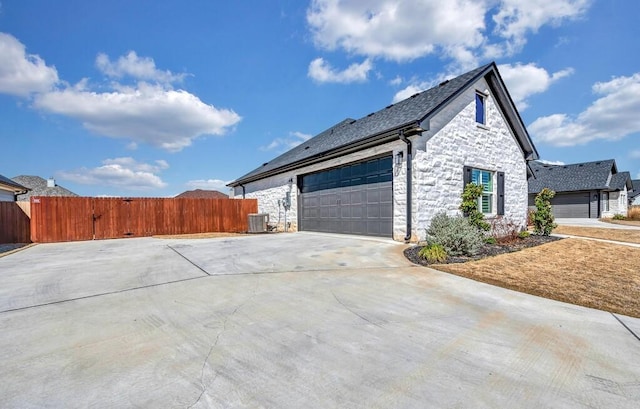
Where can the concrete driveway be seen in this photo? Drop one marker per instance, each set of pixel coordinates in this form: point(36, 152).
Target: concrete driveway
point(292, 321)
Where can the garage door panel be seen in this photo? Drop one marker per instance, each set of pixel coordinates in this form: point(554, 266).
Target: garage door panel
point(570, 205)
point(356, 199)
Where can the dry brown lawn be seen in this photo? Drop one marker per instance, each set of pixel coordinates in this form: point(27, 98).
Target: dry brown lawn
point(629, 236)
point(623, 222)
point(583, 272)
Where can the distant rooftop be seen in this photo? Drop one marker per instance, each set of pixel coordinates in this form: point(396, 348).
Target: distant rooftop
point(39, 187)
point(202, 194)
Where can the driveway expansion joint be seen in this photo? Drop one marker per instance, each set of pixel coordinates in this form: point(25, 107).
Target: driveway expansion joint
point(190, 262)
point(625, 325)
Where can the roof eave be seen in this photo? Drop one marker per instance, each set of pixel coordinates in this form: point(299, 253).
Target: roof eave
point(512, 116)
point(369, 142)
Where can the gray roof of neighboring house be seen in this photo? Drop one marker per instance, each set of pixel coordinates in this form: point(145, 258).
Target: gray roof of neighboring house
point(13, 185)
point(376, 127)
point(575, 177)
point(636, 188)
point(39, 187)
point(620, 180)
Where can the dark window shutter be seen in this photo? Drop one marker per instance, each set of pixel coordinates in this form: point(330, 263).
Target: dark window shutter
point(500, 193)
point(466, 176)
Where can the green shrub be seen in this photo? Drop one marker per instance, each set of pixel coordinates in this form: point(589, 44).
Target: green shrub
point(455, 234)
point(433, 253)
point(524, 234)
point(469, 206)
point(543, 217)
point(619, 217)
point(490, 240)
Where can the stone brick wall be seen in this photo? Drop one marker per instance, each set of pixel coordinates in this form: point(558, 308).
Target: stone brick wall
point(453, 140)
point(618, 203)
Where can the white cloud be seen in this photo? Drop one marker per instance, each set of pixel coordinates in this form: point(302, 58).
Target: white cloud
point(410, 90)
point(635, 153)
point(524, 80)
point(284, 144)
point(142, 68)
point(22, 74)
point(151, 114)
point(454, 29)
point(390, 29)
point(322, 71)
point(517, 18)
point(613, 116)
point(124, 173)
point(551, 162)
point(396, 81)
point(208, 184)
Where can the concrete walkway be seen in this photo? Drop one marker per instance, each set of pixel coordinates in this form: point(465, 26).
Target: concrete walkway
point(621, 243)
point(593, 223)
point(291, 321)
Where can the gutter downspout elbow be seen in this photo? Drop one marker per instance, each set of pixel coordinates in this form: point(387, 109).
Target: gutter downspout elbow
point(406, 140)
point(243, 192)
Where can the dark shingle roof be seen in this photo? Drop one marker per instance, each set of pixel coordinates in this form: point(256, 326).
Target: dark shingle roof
point(620, 180)
point(574, 177)
point(39, 187)
point(392, 118)
point(202, 194)
point(12, 184)
point(636, 188)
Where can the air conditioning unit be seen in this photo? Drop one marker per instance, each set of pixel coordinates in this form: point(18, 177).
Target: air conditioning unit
point(258, 222)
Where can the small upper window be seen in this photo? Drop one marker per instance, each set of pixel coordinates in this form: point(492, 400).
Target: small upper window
point(480, 108)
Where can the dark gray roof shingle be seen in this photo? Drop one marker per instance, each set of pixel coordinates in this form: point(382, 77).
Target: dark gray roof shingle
point(39, 187)
point(620, 180)
point(636, 188)
point(349, 131)
point(573, 177)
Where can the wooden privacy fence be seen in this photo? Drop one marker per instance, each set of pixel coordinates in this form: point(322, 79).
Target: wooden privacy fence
point(14, 223)
point(55, 219)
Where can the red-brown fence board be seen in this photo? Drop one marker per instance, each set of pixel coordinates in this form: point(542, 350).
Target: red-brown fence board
point(55, 219)
point(14, 224)
point(86, 218)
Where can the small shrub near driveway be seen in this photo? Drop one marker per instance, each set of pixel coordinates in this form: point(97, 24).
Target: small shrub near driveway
point(543, 216)
point(455, 234)
point(433, 253)
point(619, 217)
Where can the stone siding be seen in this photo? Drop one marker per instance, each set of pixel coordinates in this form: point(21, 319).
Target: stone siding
point(453, 140)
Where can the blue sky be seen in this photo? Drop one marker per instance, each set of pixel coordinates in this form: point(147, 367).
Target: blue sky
point(154, 97)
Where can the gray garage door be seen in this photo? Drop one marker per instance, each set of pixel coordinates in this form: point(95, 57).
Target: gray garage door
point(571, 205)
point(352, 199)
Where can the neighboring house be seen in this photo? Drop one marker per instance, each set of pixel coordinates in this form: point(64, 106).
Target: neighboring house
point(201, 194)
point(9, 189)
point(583, 190)
point(634, 196)
point(40, 187)
point(358, 176)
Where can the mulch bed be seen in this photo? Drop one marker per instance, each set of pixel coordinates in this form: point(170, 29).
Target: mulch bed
point(488, 250)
